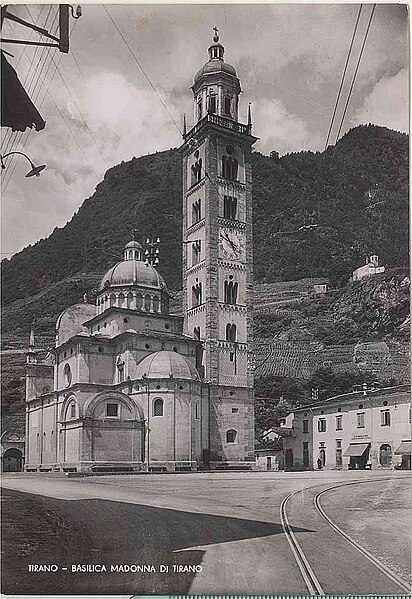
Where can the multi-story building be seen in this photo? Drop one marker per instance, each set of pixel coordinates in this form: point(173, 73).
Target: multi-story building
point(366, 429)
point(129, 386)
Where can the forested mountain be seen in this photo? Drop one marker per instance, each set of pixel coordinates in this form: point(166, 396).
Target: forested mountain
point(356, 192)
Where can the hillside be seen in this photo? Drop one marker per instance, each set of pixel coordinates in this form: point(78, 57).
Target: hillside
point(357, 194)
point(356, 191)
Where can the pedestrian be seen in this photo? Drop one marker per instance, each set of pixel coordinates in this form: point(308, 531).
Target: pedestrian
point(319, 464)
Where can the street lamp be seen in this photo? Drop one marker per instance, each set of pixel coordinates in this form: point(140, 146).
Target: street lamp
point(34, 171)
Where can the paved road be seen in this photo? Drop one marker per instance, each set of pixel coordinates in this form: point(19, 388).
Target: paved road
point(228, 523)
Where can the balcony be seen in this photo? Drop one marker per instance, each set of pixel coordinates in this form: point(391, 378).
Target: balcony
point(220, 121)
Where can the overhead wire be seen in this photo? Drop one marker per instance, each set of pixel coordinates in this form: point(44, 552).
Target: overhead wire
point(356, 72)
point(343, 76)
point(27, 85)
point(142, 70)
point(23, 52)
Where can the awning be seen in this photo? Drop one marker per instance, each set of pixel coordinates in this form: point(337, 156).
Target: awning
point(17, 110)
point(356, 449)
point(404, 448)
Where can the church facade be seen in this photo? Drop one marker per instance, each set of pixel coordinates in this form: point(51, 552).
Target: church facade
point(130, 387)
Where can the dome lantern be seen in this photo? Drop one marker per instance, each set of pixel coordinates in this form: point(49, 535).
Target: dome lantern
point(133, 283)
point(216, 87)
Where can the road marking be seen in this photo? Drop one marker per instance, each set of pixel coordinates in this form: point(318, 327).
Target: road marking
point(312, 583)
point(394, 577)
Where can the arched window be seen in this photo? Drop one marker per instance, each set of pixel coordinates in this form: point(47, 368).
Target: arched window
point(129, 300)
point(112, 299)
point(156, 304)
point(158, 407)
point(227, 105)
point(139, 301)
point(231, 289)
point(196, 211)
point(231, 436)
point(230, 167)
point(196, 294)
point(147, 302)
point(196, 333)
point(212, 104)
point(197, 410)
point(72, 410)
point(196, 251)
point(230, 332)
point(196, 169)
point(120, 300)
point(67, 373)
point(120, 370)
point(229, 207)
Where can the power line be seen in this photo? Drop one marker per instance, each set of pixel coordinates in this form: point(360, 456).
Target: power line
point(356, 71)
point(142, 69)
point(343, 76)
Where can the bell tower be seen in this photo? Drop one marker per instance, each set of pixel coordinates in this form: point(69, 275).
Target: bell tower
point(217, 254)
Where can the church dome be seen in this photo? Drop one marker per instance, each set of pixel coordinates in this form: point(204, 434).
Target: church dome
point(133, 273)
point(166, 364)
point(215, 66)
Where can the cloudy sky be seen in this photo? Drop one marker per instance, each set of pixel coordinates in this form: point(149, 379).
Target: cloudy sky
point(101, 109)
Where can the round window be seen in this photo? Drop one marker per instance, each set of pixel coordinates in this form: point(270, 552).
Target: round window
point(147, 346)
point(126, 320)
point(100, 349)
point(385, 403)
point(361, 406)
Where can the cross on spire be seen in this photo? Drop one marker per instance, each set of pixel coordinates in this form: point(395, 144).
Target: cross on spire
point(216, 36)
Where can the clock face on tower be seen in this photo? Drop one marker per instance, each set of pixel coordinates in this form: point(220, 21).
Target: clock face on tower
point(231, 244)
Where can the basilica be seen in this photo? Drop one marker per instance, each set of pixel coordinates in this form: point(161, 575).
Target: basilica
point(129, 387)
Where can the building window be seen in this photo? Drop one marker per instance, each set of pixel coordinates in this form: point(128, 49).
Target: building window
point(305, 426)
point(227, 106)
point(322, 425)
point(231, 436)
point(230, 167)
point(158, 407)
point(338, 452)
point(231, 356)
point(197, 410)
point(385, 418)
point(196, 294)
point(305, 452)
point(196, 251)
point(229, 207)
point(120, 370)
point(231, 289)
point(235, 410)
point(196, 171)
point(212, 104)
point(338, 423)
point(73, 410)
point(196, 211)
point(199, 109)
point(230, 332)
point(67, 373)
point(360, 420)
point(112, 410)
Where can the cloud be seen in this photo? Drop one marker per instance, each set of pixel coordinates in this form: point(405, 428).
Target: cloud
point(387, 104)
point(279, 130)
point(107, 120)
